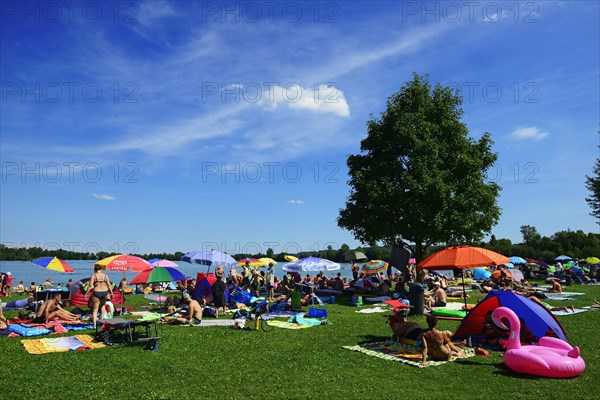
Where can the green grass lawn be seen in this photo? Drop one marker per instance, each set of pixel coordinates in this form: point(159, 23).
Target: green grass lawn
point(224, 363)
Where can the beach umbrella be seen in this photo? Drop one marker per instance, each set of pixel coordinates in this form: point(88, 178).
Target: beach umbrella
point(123, 263)
point(290, 258)
point(497, 273)
point(354, 255)
point(362, 283)
point(374, 267)
point(373, 279)
point(592, 260)
point(254, 262)
point(562, 257)
point(268, 260)
point(508, 265)
point(53, 264)
point(517, 260)
point(163, 263)
point(211, 258)
point(311, 264)
point(158, 275)
point(481, 274)
point(462, 257)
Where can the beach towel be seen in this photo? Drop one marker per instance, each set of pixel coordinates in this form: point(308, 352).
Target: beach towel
point(299, 319)
point(372, 310)
point(280, 314)
point(286, 325)
point(25, 330)
point(62, 344)
point(558, 298)
point(403, 353)
point(218, 322)
point(569, 312)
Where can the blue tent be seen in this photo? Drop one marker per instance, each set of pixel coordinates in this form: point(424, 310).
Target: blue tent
point(537, 318)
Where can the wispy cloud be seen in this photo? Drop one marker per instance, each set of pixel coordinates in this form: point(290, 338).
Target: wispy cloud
point(528, 133)
point(296, 202)
point(104, 196)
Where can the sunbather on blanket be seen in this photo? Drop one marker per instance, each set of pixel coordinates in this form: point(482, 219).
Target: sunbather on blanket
point(194, 316)
point(437, 343)
point(51, 309)
point(403, 328)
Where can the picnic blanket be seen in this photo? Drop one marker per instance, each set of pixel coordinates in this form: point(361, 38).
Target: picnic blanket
point(218, 322)
point(403, 353)
point(62, 344)
point(558, 298)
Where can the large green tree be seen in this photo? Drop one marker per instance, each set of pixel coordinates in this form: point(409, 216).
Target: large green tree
point(419, 177)
point(592, 183)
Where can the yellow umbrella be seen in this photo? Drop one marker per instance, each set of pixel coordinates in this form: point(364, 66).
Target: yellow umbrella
point(268, 260)
point(290, 258)
point(592, 260)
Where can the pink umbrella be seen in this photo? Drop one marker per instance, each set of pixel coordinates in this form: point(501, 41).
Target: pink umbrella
point(164, 263)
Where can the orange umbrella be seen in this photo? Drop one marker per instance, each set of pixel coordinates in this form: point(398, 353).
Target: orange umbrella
point(496, 274)
point(462, 257)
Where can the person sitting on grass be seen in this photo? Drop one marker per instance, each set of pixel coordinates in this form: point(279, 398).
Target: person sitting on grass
point(51, 309)
point(3, 321)
point(438, 297)
point(404, 329)
point(124, 287)
point(437, 344)
point(194, 316)
point(556, 287)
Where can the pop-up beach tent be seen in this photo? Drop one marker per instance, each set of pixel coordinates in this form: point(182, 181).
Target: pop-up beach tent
point(77, 293)
point(204, 284)
point(538, 319)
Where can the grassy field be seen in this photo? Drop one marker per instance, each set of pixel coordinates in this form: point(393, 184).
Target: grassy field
point(224, 363)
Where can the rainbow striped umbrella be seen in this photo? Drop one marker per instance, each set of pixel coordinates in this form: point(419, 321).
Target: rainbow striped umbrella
point(53, 264)
point(374, 267)
point(157, 275)
point(254, 262)
point(123, 263)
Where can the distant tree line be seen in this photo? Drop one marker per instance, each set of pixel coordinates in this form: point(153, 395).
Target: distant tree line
point(576, 244)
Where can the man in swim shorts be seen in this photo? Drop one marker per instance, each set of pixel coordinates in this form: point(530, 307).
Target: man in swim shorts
point(194, 317)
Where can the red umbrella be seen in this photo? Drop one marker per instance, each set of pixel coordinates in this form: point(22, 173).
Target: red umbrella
point(123, 263)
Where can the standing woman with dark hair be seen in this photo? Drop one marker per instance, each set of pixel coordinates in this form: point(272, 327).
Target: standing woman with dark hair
point(101, 289)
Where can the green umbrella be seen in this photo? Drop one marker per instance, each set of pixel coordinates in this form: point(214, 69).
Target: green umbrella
point(592, 260)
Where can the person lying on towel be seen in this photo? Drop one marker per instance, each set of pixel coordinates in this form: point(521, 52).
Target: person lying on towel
point(404, 329)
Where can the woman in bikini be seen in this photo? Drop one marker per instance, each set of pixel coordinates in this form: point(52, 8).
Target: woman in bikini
point(101, 289)
point(437, 343)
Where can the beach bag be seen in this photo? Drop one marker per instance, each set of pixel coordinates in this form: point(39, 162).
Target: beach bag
point(209, 312)
point(240, 295)
point(317, 313)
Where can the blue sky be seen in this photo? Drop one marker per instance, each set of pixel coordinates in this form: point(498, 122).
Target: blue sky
point(173, 126)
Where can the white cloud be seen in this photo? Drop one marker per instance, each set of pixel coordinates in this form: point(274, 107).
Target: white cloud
point(104, 196)
point(322, 98)
point(148, 12)
point(296, 202)
point(528, 133)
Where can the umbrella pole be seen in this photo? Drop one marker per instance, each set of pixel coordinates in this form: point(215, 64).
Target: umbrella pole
point(465, 299)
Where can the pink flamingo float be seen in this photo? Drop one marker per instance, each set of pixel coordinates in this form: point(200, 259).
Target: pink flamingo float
point(552, 357)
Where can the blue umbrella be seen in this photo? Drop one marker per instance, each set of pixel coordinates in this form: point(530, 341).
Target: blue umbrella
point(309, 264)
point(517, 260)
point(481, 274)
point(563, 258)
point(210, 257)
point(509, 265)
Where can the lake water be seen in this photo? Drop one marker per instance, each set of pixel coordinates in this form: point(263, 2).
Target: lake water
point(28, 272)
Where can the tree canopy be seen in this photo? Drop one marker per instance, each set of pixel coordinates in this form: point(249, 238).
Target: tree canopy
point(592, 183)
point(419, 176)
